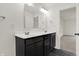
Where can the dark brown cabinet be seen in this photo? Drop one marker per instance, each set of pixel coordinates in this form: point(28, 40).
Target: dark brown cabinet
point(35, 46)
point(47, 44)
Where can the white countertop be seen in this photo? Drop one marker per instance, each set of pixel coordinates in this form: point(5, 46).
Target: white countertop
point(34, 34)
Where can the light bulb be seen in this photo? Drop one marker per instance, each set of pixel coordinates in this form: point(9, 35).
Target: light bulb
point(44, 11)
point(30, 4)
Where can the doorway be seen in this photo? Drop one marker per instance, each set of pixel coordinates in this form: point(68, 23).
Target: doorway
point(68, 29)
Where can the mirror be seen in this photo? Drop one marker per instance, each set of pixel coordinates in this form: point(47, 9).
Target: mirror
point(34, 19)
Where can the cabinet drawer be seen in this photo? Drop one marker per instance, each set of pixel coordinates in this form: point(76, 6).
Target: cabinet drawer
point(47, 36)
point(33, 40)
point(40, 43)
point(35, 49)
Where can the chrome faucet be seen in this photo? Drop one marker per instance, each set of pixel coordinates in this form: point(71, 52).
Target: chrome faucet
point(26, 33)
point(45, 31)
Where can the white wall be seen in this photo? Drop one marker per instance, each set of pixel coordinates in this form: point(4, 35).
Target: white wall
point(77, 29)
point(13, 22)
point(68, 17)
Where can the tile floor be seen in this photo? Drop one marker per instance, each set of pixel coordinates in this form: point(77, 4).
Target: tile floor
point(60, 52)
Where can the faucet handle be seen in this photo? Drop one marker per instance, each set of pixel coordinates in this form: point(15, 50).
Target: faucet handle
point(45, 31)
point(26, 33)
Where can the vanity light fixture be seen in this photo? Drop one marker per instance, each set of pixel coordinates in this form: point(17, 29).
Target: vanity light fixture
point(30, 4)
point(44, 11)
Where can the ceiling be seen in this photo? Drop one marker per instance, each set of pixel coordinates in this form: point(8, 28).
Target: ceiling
point(48, 6)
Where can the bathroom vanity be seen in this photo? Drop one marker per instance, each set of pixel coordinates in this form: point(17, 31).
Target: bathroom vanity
point(39, 45)
point(37, 39)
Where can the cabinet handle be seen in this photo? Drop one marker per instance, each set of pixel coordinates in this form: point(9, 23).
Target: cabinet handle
point(77, 34)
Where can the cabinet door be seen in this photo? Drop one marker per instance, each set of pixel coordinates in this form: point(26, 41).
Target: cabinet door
point(35, 48)
point(36, 39)
point(20, 47)
point(28, 51)
point(47, 44)
point(39, 51)
point(53, 40)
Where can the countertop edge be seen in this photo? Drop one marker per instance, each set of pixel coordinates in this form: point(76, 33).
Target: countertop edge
point(33, 36)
